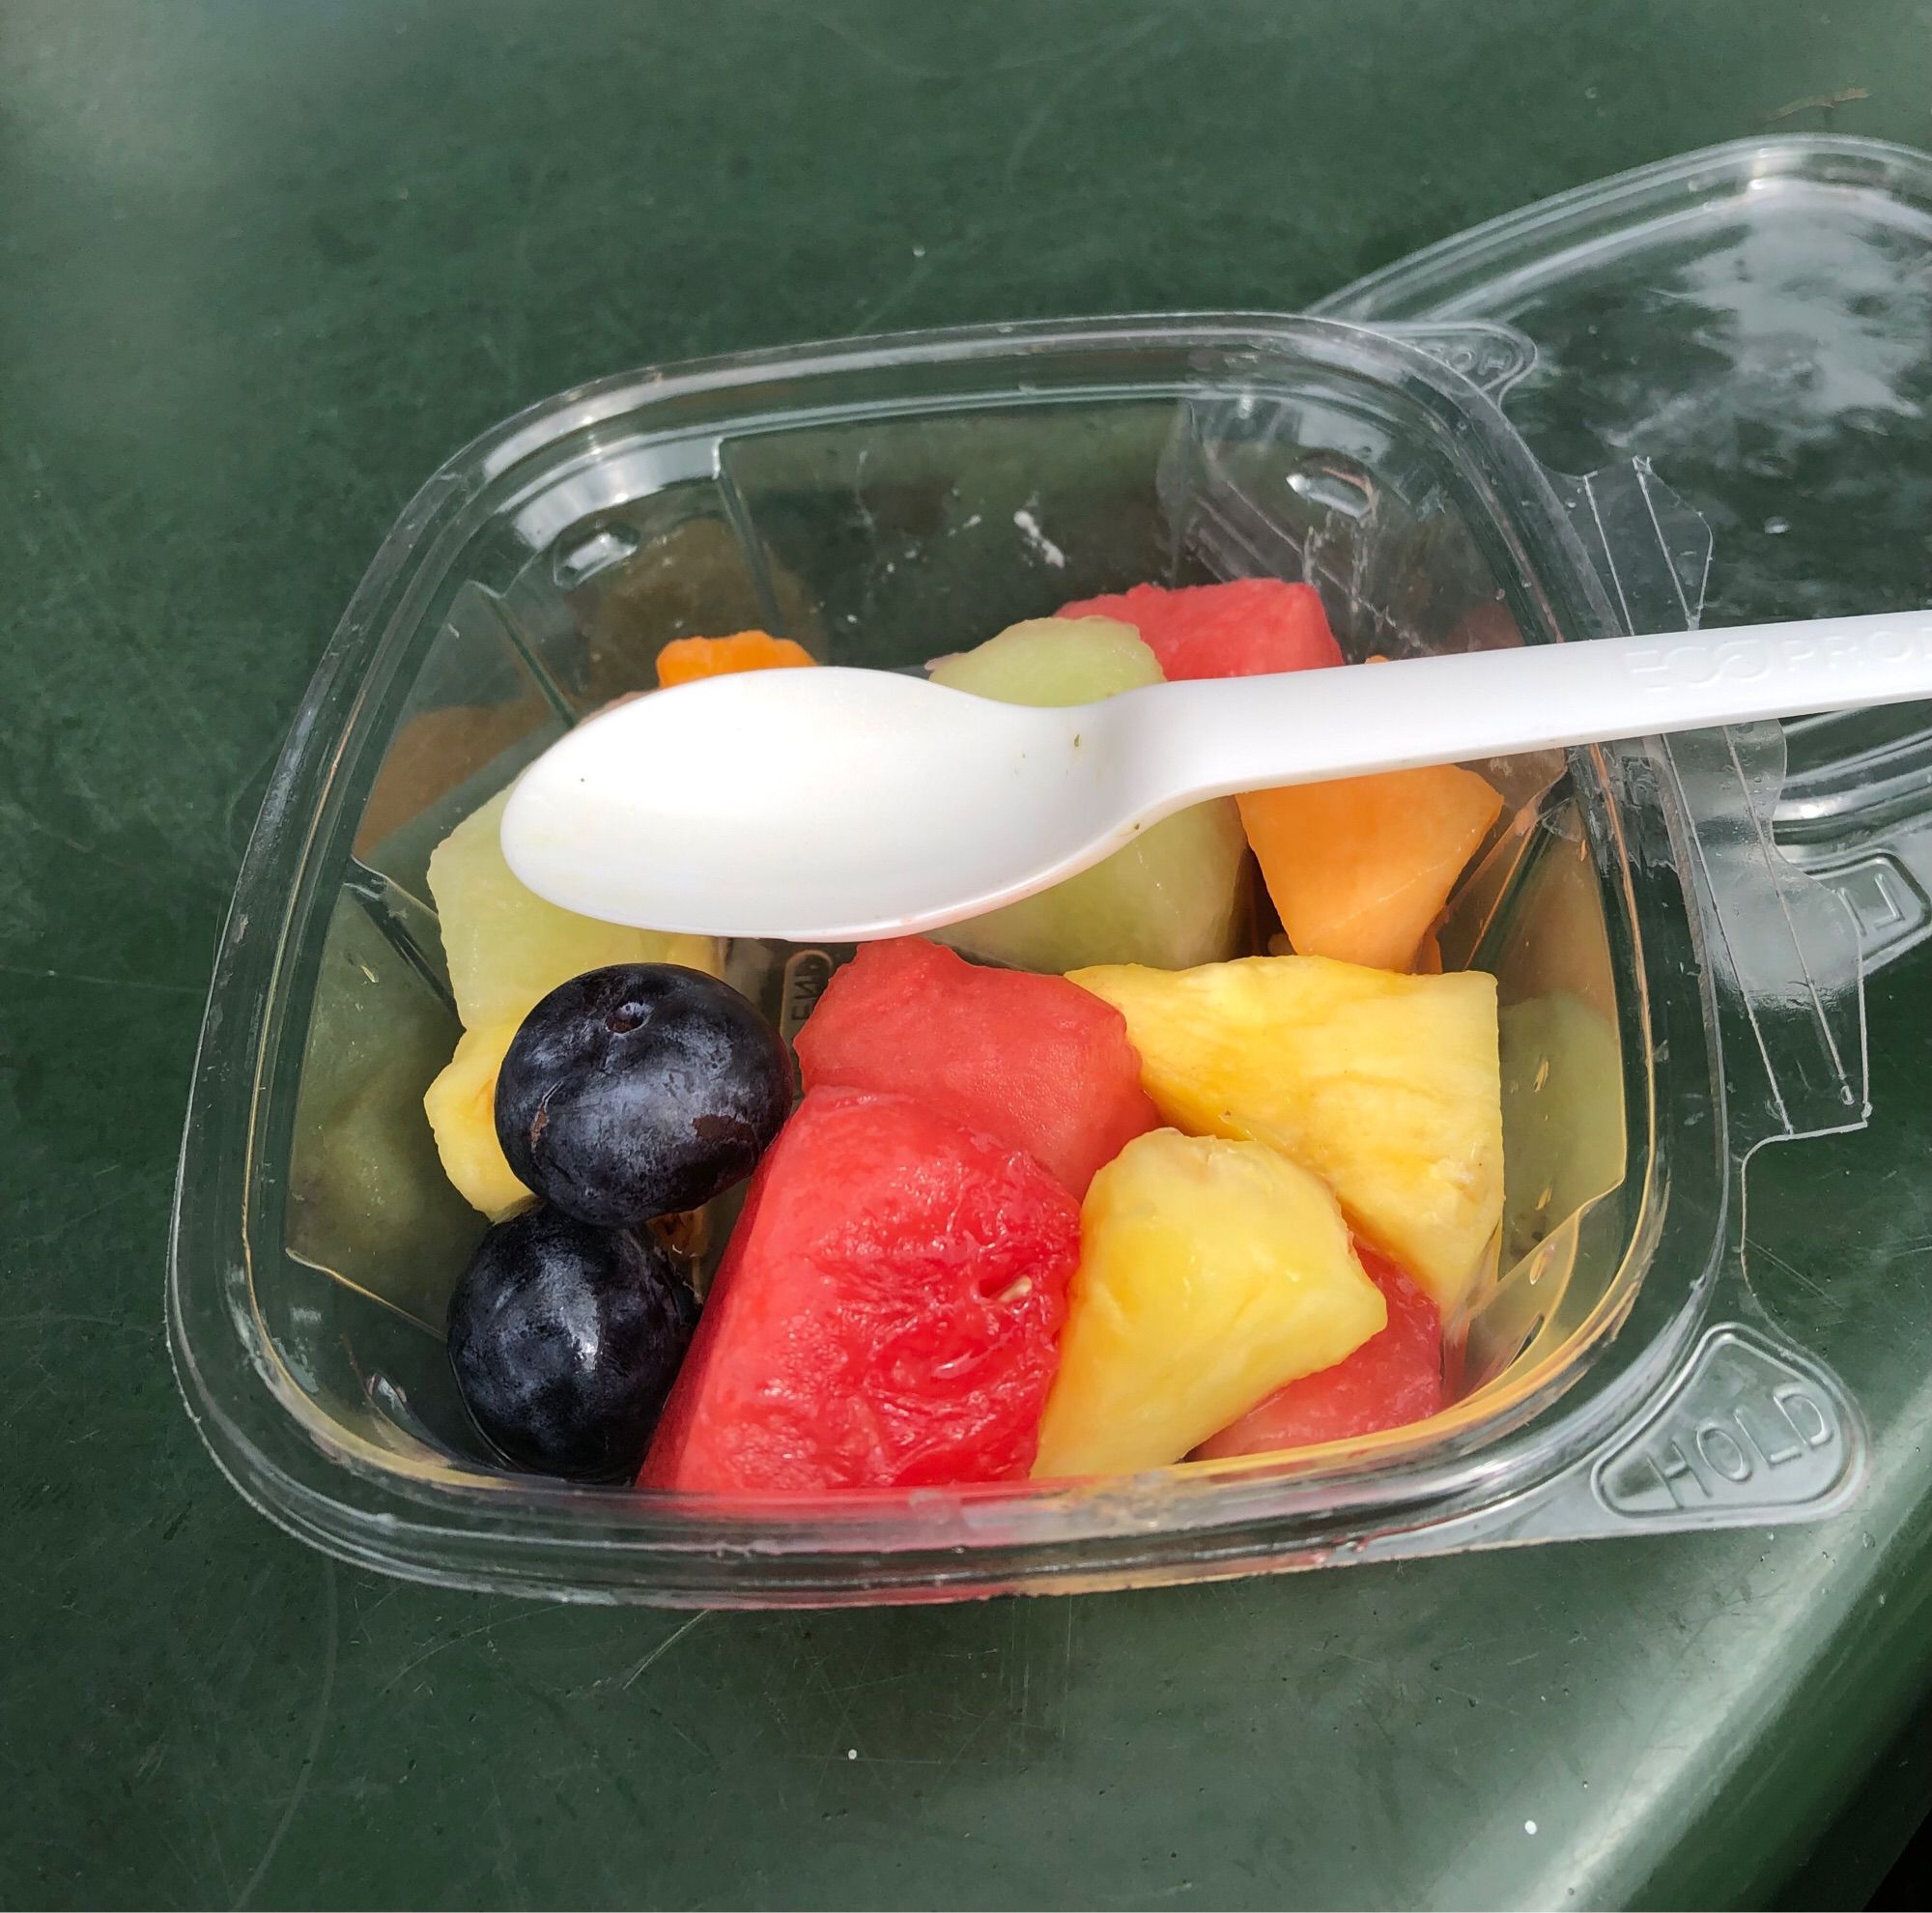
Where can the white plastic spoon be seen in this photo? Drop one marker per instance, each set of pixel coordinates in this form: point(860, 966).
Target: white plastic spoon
point(830, 805)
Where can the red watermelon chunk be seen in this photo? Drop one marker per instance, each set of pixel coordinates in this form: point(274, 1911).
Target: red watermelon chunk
point(887, 1316)
point(1035, 1061)
point(1246, 628)
point(1395, 1377)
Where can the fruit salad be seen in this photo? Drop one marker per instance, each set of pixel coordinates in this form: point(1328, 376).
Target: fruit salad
point(1196, 1156)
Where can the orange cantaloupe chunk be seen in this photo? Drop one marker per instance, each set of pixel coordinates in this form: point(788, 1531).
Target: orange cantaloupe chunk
point(685, 659)
point(1360, 868)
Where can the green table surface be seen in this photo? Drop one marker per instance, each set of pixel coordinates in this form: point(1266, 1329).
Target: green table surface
point(262, 266)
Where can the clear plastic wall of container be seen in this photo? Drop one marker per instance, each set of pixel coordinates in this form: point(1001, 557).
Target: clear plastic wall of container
point(1673, 992)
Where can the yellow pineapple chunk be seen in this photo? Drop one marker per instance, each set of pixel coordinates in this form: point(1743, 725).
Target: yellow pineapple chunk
point(1210, 1274)
point(507, 947)
point(462, 1109)
point(1387, 1087)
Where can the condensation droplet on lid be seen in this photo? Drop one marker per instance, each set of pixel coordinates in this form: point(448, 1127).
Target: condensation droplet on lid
point(1035, 536)
point(1775, 527)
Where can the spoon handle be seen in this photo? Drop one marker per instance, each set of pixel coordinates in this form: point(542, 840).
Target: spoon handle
point(1217, 737)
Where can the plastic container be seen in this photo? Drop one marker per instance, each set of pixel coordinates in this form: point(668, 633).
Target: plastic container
point(1676, 992)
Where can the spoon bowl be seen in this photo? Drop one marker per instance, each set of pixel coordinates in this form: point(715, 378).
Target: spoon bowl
point(727, 808)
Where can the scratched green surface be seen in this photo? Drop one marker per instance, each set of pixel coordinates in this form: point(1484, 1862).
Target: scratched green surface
point(260, 267)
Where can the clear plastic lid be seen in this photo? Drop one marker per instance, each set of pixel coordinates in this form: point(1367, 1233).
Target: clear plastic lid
point(1755, 322)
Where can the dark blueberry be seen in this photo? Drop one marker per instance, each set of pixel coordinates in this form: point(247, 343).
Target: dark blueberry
point(640, 1089)
point(565, 1340)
